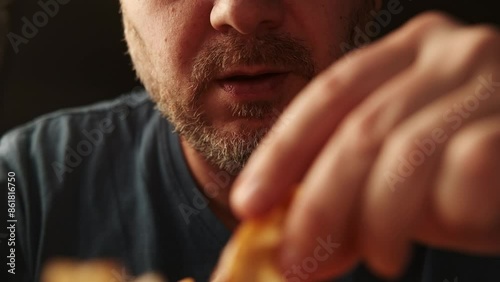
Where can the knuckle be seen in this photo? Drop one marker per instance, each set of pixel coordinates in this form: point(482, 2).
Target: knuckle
point(475, 49)
point(340, 77)
point(362, 136)
point(401, 143)
point(473, 204)
point(405, 155)
point(471, 217)
point(332, 81)
point(433, 18)
point(482, 42)
point(427, 21)
point(421, 27)
point(330, 87)
point(472, 155)
point(485, 33)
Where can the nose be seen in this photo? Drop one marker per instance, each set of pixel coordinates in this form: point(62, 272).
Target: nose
point(247, 16)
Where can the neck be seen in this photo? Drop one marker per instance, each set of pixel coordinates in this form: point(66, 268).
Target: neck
point(214, 183)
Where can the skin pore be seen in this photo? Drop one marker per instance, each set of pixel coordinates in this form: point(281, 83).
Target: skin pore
point(222, 71)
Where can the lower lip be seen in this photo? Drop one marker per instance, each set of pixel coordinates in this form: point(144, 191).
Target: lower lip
point(254, 88)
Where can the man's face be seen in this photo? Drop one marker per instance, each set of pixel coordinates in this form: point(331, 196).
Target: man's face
point(222, 70)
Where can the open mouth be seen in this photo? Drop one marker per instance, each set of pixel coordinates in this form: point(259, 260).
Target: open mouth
point(251, 78)
point(253, 86)
point(253, 83)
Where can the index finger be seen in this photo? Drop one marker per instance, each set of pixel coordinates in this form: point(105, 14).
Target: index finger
point(313, 116)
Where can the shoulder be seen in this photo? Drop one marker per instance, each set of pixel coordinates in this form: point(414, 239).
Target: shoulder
point(103, 116)
point(52, 140)
point(56, 122)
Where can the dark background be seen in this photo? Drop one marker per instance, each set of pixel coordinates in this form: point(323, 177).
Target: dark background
point(79, 56)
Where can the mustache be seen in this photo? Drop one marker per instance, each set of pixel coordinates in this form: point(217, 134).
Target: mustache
point(233, 50)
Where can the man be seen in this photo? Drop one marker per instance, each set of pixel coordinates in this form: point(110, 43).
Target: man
point(393, 145)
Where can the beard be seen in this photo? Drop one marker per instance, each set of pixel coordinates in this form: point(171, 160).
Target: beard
point(226, 150)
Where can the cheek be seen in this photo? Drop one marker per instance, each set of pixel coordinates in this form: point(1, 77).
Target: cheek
point(162, 25)
point(325, 25)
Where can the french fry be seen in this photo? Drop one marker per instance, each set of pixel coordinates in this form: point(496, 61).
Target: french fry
point(64, 270)
point(250, 255)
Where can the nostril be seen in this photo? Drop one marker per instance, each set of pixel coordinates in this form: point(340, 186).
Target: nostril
point(246, 17)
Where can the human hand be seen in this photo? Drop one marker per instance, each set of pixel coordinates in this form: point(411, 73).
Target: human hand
point(396, 143)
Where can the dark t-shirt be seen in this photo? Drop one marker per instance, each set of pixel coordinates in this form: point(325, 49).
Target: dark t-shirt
point(110, 181)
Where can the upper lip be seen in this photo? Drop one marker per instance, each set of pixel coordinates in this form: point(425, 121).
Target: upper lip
point(249, 71)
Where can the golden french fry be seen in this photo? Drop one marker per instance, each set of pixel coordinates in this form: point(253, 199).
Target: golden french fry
point(150, 277)
point(64, 270)
point(251, 254)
